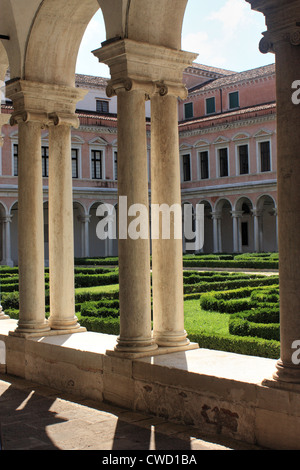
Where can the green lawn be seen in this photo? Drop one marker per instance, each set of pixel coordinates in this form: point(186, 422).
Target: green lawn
point(197, 319)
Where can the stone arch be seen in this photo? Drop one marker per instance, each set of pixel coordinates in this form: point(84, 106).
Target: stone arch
point(58, 29)
point(146, 22)
point(3, 62)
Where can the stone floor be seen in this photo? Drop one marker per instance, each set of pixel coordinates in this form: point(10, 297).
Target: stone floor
point(33, 417)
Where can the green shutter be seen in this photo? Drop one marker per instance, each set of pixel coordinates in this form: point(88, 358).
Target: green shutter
point(234, 100)
point(188, 110)
point(210, 105)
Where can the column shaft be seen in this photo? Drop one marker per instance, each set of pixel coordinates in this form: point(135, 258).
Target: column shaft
point(134, 254)
point(288, 172)
point(30, 230)
point(167, 265)
point(61, 237)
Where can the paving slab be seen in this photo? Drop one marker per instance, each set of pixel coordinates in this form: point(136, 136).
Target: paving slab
point(34, 417)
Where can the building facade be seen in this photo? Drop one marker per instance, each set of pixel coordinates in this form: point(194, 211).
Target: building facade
point(227, 142)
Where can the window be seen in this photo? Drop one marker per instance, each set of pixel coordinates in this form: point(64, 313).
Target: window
point(75, 163)
point(244, 229)
point(223, 161)
point(188, 110)
point(115, 165)
point(234, 100)
point(265, 156)
point(243, 159)
point(15, 159)
point(204, 172)
point(96, 164)
point(186, 166)
point(102, 106)
point(45, 162)
point(210, 105)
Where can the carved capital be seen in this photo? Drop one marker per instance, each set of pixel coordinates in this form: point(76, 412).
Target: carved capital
point(151, 68)
point(29, 116)
point(294, 37)
point(61, 119)
point(266, 45)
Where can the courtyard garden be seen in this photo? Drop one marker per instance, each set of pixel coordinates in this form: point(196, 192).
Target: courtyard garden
point(228, 304)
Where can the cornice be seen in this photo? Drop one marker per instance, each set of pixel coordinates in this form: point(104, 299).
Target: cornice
point(227, 126)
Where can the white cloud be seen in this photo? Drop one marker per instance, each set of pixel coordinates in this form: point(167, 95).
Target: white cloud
point(208, 51)
point(234, 15)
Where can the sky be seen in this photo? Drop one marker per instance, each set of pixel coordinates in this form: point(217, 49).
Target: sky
point(224, 33)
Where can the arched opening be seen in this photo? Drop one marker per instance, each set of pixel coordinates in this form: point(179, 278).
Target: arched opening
point(14, 233)
point(79, 222)
point(244, 208)
point(208, 246)
point(2, 233)
point(268, 223)
point(188, 226)
point(225, 234)
point(98, 247)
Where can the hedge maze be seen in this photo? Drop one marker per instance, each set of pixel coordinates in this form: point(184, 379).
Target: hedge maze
point(250, 300)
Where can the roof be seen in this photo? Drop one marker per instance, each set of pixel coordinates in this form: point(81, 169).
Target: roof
point(208, 68)
point(91, 80)
point(237, 77)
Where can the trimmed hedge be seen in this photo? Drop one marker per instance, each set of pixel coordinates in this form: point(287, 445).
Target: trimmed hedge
point(240, 327)
point(237, 344)
point(108, 325)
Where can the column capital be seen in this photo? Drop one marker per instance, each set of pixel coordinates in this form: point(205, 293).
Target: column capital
point(236, 214)
point(136, 65)
point(63, 119)
point(6, 219)
point(216, 214)
point(281, 21)
point(257, 212)
point(43, 102)
point(84, 218)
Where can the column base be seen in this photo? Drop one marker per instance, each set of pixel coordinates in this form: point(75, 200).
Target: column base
point(135, 346)
point(64, 324)
point(159, 351)
point(287, 373)
point(171, 340)
point(25, 329)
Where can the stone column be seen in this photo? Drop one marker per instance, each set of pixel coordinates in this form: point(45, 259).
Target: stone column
point(6, 261)
point(283, 38)
point(4, 120)
point(61, 236)
point(85, 243)
point(257, 214)
point(275, 214)
point(167, 265)
point(30, 227)
point(236, 217)
point(217, 218)
point(134, 254)
point(136, 70)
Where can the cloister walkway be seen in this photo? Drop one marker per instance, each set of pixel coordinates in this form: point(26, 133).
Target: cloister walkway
point(35, 417)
